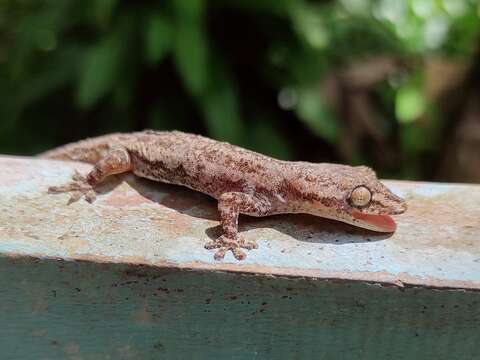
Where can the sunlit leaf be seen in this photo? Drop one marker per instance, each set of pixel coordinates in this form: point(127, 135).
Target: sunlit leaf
point(309, 25)
point(410, 103)
point(158, 37)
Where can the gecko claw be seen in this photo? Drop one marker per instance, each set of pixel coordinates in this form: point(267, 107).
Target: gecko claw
point(224, 244)
point(239, 254)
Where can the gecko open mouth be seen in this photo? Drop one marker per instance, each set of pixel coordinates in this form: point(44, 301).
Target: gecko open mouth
point(382, 223)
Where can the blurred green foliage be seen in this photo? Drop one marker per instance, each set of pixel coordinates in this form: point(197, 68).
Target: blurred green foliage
point(344, 81)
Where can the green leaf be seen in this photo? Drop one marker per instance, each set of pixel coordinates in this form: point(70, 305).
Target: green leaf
point(191, 46)
point(100, 68)
point(317, 116)
point(410, 104)
point(158, 33)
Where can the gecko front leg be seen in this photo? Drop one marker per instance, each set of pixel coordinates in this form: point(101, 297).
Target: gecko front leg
point(116, 161)
point(230, 205)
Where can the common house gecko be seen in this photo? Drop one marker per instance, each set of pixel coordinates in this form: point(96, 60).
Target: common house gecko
point(243, 181)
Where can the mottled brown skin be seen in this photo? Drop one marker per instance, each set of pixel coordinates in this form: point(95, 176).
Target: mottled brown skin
point(243, 182)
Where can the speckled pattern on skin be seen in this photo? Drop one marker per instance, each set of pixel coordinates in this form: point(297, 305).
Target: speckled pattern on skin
point(243, 181)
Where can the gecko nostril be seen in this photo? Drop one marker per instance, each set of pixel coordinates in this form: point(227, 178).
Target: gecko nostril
point(400, 209)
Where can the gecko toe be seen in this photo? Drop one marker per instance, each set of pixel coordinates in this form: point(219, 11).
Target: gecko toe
point(239, 254)
point(74, 197)
point(220, 254)
point(249, 245)
point(90, 196)
point(58, 189)
point(224, 244)
point(212, 245)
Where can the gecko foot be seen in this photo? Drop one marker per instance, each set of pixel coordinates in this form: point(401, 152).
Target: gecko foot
point(77, 188)
point(224, 244)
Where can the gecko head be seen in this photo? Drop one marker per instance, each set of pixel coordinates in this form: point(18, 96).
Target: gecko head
point(353, 195)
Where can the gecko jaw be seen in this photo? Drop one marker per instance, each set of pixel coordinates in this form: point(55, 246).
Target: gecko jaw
point(380, 223)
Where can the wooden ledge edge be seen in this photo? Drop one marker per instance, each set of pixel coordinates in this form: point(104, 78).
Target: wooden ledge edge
point(378, 278)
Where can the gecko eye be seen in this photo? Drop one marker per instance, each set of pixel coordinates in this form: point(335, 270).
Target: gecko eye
point(360, 196)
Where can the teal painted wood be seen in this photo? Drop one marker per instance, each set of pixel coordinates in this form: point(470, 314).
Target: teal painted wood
point(128, 277)
point(66, 310)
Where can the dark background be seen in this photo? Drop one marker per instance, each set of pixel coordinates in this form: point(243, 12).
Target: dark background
point(392, 84)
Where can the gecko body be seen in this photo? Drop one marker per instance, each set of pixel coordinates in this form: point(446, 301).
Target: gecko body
point(243, 181)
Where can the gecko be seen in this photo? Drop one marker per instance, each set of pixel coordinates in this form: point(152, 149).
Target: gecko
point(241, 180)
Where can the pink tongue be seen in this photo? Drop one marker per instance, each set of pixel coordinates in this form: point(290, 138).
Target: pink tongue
point(384, 222)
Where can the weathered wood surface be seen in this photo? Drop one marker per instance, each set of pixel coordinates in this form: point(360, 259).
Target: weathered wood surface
point(110, 280)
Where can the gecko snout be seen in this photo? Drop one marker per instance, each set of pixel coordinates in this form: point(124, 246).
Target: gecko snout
point(394, 205)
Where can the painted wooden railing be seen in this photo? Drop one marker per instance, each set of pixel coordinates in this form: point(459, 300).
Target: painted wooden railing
point(128, 277)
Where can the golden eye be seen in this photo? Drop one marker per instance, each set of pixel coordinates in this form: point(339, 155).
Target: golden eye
point(360, 196)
